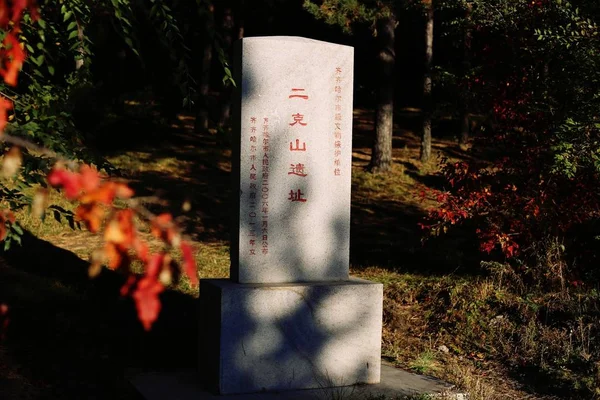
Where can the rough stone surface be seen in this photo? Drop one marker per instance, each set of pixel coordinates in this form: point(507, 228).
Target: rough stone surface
point(265, 337)
point(293, 164)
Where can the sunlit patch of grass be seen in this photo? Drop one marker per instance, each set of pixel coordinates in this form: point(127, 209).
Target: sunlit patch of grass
point(424, 363)
point(53, 222)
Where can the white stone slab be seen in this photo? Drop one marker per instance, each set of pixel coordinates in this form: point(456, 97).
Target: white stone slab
point(293, 166)
point(265, 337)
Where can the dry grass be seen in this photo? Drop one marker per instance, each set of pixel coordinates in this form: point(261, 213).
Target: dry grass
point(431, 298)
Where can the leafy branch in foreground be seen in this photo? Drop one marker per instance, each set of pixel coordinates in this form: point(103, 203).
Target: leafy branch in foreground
point(96, 195)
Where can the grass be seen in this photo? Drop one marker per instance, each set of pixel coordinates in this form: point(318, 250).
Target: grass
point(74, 338)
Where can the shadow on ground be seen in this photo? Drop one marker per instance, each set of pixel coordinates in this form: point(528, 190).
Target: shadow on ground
point(73, 338)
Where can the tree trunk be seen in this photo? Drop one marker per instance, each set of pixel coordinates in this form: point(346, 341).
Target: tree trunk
point(464, 100)
point(427, 86)
point(207, 49)
point(381, 155)
point(227, 33)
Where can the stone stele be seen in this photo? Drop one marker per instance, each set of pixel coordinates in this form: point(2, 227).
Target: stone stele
point(293, 164)
point(290, 317)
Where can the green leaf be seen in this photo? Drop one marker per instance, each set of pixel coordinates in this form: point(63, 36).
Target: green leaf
point(17, 229)
point(51, 69)
point(72, 25)
point(67, 15)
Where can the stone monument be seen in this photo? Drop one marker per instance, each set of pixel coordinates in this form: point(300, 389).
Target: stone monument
point(290, 317)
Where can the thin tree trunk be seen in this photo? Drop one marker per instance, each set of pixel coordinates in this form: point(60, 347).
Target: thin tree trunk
point(227, 32)
point(464, 105)
point(381, 155)
point(427, 86)
point(80, 50)
point(202, 117)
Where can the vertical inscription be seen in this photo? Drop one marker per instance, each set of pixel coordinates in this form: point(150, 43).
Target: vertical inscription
point(252, 189)
point(265, 188)
point(337, 120)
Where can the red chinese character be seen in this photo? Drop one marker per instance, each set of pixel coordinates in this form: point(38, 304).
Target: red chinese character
point(337, 89)
point(336, 162)
point(253, 139)
point(297, 148)
point(338, 135)
point(297, 169)
point(253, 120)
point(338, 79)
point(253, 177)
point(253, 129)
point(338, 70)
point(265, 250)
point(302, 96)
point(298, 118)
point(338, 107)
point(338, 144)
point(266, 120)
point(338, 116)
point(252, 167)
point(296, 196)
point(337, 153)
point(337, 172)
point(252, 252)
point(252, 242)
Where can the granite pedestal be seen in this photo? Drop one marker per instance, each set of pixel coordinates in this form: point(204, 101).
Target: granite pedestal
point(265, 337)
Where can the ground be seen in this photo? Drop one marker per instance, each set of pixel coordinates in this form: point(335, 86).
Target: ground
point(72, 337)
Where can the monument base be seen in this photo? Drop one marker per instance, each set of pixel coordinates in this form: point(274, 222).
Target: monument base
point(263, 337)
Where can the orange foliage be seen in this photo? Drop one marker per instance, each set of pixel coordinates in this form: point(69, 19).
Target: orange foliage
point(95, 195)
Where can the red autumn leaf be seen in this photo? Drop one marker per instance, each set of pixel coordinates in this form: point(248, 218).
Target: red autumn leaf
point(68, 180)
point(141, 249)
point(115, 255)
point(154, 265)
point(189, 263)
point(146, 300)
point(4, 320)
point(162, 227)
point(120, 234)
point(104, 194)
point(91, 215)
point(126, 288)
point(13, 59)
point(123, 191)
point(17, 8)
point(89, 178)
point(5, 105)
point(107, 192)
point(4, 14)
